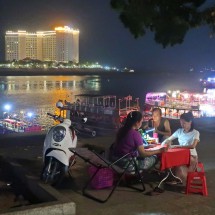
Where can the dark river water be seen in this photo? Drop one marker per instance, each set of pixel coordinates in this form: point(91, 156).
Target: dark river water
point(38, 94)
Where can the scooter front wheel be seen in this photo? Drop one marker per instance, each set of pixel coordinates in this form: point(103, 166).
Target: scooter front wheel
point(53, 172)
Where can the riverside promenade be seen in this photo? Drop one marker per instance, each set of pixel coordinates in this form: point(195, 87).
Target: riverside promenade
point(55, 71)
point(27, 151)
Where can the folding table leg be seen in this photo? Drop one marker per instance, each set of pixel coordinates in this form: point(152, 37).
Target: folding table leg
point(168, 174)
point(164, 179)
point(175, 176)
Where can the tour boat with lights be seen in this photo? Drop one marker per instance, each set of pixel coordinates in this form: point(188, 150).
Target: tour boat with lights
point(102, 111)
point(174, 103)
point(16, 126)
point(208, 82)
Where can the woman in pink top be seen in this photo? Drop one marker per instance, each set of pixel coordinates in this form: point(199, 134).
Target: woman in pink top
point(128, 139)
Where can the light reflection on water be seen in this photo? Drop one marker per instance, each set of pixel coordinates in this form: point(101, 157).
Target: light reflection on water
point(40, 94)
point(25, 92)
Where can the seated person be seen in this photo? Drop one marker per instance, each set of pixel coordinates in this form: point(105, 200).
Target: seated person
point(161, 125)
point(188, 137)
point(128, 139)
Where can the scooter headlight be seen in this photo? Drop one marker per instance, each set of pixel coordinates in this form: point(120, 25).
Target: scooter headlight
point(59, 133)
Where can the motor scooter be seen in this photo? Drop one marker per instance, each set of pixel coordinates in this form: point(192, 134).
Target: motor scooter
point(81, 125)
point(57, 158)
point(84, 130)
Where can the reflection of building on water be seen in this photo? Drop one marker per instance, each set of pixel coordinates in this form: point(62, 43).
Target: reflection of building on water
point(174, 103)
point(35, 86)
point(16, 87)
point(39, 94)
point(101, 110)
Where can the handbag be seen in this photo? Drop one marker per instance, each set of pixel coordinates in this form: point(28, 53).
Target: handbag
point(103, 179)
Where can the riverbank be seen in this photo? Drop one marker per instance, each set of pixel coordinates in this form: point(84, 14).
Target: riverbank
point(55, 72)
point(93, 71)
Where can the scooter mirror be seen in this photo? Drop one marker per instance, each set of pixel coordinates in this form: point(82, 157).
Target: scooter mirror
point(59, 104)
point(84, 119)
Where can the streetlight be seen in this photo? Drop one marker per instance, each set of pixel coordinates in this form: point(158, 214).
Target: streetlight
point(7, 107)
point(29, 114)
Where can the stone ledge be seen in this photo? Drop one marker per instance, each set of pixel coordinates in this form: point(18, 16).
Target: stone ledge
point(48, 200)
point(68, 208)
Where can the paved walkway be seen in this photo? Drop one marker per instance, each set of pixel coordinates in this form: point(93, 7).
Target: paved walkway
point(28, 151)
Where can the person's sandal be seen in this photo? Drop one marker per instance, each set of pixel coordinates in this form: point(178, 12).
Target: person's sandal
point(172, 182)
point(183, 191)
point(158, 190)
point(152, 193)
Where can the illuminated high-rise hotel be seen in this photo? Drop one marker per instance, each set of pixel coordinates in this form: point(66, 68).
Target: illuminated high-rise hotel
point(67, 44)
point(60, 45)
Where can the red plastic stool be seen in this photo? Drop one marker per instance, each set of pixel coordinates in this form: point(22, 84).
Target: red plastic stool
point(196, 181)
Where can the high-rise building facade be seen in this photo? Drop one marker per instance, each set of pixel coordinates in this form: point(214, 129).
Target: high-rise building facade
point(67, 41)
point(60, 45)
point(48, 46)
point(15, 45)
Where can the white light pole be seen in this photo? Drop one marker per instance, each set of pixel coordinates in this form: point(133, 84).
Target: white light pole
point(7, 108)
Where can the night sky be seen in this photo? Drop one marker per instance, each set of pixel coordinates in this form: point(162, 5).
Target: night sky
point(103, 37)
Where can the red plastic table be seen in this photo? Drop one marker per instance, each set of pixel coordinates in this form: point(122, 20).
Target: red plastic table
point(175, 157)
point(172, 158)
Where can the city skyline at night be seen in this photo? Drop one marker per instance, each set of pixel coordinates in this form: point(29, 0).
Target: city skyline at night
point(60, 45)
point(103, 37)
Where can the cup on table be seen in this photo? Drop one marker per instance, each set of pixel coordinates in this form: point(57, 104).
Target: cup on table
point(155, 135)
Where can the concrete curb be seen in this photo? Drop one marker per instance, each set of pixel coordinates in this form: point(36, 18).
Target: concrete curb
point(57, 208)
point(46, 200)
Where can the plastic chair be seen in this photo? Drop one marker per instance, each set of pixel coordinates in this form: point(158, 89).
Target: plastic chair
point(196, 181)
point(100, 165)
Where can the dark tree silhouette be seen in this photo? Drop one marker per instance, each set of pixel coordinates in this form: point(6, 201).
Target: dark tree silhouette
point(169, 20)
